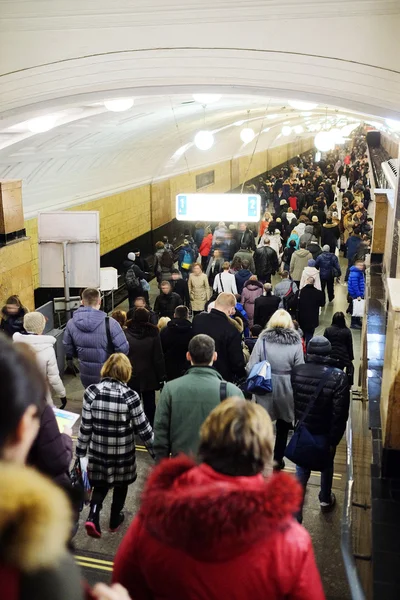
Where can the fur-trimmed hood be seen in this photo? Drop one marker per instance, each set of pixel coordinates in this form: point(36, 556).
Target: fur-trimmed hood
point(280, 335)
point(253, 285)
point(35, 519)
point(211, 516)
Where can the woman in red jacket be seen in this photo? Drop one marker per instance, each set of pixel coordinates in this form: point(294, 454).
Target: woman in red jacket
point(205, 248)
point(221, 529)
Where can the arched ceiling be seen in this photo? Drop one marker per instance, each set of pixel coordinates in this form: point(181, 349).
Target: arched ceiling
point(64, 57)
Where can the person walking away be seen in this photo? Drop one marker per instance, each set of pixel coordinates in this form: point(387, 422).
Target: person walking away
point(133, 276)
point(209, 503)
point(310, 271)
point(162, 322)
point(310, 300)
point(285, 290)
point(186, 402)
point(308, 235)
point(111, 411)
point(163, 262)
point(199, 232)
point(314, 249)
point(43, 347)
point(266, 262)
point(280, 345)
point(288, 253)
point(329, 413)
point(225, 281)
point(92, 337)
point(167, 301)
point(242, 275)
point(341, 340)
point(214, 266)
point(205, 248)
point(298, 262)
point(265, 221)
point(186, 258)
point(329, 270)
point(147, 359)
point(252, 290)
point(12, 316)
point(180, 286)
point(175, 338)
point(265, 306)
point(228, 343)
point(356, 290)
point(251, 341)
point(245, 254)
point(330, 233)
point(199, 290)
point(142, 262)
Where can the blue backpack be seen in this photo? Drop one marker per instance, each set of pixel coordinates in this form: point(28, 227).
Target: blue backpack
point(259, 381)
point(187, 260)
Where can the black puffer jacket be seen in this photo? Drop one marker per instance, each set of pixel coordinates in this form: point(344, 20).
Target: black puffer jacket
point(175, 338)
point(146, 356)
point(166, 304)
point(11, 324)
point(341, 341)
point(266, 261)
point(330, 412)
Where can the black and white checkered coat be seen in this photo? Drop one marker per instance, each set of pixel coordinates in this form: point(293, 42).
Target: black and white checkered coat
point(112, 414)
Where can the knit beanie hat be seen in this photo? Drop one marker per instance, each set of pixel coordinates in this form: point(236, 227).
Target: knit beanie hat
point(132, 256)
point(326, 248)
point(319, 345)
point(34, 322)
point(311, 263)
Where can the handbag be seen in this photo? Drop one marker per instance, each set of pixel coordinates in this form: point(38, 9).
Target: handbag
point(306, 449)
point(259, 381)
point(358, 307)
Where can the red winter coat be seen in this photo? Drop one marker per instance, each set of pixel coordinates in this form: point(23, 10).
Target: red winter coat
point(201, 535)
point(293, 202)
point(205, 246)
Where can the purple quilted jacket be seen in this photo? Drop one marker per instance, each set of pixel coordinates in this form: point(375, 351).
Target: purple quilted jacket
point(85, 337)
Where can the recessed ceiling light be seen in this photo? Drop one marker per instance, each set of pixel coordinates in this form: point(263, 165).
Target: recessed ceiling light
point(286, 130)
point(299, 105)
point(272, 116)
point(204, 140)
point(247, 135)
point(119, 104)
point(42, 124)
point(207, 98)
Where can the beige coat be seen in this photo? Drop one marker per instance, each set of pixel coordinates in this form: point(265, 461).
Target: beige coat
point(199, 291)
point(298, 262)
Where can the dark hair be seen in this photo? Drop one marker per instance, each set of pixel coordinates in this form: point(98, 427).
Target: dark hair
point(15, 301)
point(303, 244)
point(292, 243)
point(22, 385)
point(90, 296)
point(201, 349)
point(245, 263)
point(141, 315)
point(256, 330)
point(339, 320)
point(142, 298)
point(181, 312)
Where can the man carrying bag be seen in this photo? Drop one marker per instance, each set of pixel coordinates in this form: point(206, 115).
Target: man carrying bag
point(321, 399)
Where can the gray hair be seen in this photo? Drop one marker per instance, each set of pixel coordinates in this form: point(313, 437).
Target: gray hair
point(201, 349)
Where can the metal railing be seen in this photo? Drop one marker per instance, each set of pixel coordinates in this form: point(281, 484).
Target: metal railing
point(356, 590)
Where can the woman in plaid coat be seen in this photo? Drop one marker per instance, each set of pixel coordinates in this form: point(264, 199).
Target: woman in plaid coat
point(111, 416)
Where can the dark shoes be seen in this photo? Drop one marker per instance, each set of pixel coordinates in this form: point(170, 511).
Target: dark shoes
point(92, 524)
point(63, 403)
point(327, 507)
point(115, 522)
point(279, 465)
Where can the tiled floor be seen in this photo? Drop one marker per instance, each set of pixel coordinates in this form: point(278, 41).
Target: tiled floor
point(96, 556)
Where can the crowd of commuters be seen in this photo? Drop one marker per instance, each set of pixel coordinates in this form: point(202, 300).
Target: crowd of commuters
point(216, 317)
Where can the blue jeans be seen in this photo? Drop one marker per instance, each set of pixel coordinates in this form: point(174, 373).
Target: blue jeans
point(303, 475)
point(308, 334)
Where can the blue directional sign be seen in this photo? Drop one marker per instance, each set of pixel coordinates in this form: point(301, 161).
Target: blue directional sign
point(252, 206)
point(182, 206)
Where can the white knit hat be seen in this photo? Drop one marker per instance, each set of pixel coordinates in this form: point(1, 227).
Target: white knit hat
point(132, 256)
point(34, 322)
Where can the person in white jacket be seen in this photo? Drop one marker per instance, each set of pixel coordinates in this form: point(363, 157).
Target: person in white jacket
point(311, 271)
point(43, 346)
point(225, 281)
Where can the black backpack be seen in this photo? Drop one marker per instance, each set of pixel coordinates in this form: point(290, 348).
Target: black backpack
point(132, 281)
point(290, 300)
point(166, 261)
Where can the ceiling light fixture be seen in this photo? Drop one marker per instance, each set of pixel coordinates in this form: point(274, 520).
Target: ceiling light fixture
point(299, 105)
point(286, 130)
point(41, 124)
point(119, 104)
point(247, 135)
point(324, 141)
point(298, 129)
point(207, 98)
point(203, 140)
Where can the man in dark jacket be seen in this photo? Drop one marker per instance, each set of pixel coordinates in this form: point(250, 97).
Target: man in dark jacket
point(330, 234)
point(266, 262)
point(310, 300)
point(328, 415)
point(167, 301)
point(314, 248)
point(228, 344)
point(329, 270)
point(243, 275)
point(265, 306)
point(134, 290)
point(175, 338)
point(245, 237)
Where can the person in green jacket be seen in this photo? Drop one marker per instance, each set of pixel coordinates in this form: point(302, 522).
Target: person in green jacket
point(187, 401)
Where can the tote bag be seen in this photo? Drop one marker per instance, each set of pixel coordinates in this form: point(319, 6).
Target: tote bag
point(306, 449)
point(358, 307)
point(259, 380)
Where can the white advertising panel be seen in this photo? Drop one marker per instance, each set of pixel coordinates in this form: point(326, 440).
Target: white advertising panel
point(218, 207)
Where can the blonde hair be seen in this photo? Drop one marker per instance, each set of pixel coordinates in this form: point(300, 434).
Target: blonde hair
point(280, 318)
point(237, 438)
point(119, 316)
point(225, 300)
point(117, 366)
point(163, 322)
point(290, 209)
point(226, 265)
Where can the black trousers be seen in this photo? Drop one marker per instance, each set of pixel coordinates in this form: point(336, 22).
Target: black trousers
point(282, 431)
point(328, 283)
point(119, 497)
point(149, 404)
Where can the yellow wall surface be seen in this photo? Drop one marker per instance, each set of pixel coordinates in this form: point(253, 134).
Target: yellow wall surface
point(128, 215)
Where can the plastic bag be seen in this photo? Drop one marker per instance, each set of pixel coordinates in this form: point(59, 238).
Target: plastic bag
point(358, 307)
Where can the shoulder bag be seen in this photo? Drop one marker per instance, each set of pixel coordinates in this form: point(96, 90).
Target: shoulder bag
point(110, 345)
point(309, 450)
point(259, 381)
